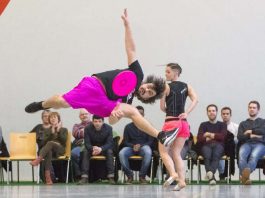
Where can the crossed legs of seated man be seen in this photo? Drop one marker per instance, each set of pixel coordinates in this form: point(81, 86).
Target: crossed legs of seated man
point(85, 165)
point(145, 152)
point(249, 154)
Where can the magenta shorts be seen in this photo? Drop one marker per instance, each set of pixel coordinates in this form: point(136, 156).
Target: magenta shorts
point(90, 94)
point(183, 125)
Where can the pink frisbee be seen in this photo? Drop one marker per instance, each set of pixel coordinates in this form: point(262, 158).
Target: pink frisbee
point(124, 83)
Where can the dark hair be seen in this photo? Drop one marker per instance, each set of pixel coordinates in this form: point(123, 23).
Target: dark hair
point(254, 102)
point(175, 66)
point(96, 117)
point(159, 87)
point(139, 108)
point(45, 111)
point(212, 105)
point(227, 108)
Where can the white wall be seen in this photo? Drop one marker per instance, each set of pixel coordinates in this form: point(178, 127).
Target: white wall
point(47, 46)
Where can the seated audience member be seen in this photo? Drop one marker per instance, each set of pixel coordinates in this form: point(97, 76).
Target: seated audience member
point(78, 143)
point(251, 137)
point(136, 142)
point(54, 144)
point(39, 128)
point(98, 140)
point(230, 143)
point(211, 137)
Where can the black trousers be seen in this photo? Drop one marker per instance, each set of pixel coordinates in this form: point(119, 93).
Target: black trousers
point(85, 165)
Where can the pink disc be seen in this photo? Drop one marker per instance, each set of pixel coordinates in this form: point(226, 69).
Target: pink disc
point(124, 83)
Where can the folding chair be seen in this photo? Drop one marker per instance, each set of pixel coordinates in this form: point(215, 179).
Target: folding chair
point(22, 148)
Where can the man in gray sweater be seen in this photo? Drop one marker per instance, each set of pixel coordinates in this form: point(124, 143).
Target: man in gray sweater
point(251, 137)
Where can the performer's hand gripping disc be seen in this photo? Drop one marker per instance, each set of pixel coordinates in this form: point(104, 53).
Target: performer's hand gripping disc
point(124, 83)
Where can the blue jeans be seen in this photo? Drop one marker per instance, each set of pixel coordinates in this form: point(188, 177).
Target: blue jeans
point(221, 167)
point(126, 152)
point(75, 157)
point(249, 154)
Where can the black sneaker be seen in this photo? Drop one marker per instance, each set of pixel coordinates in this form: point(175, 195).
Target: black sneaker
point(34, 107)
point(82, 181)
point(168, 137)
point(222, 177)
point(212, 181)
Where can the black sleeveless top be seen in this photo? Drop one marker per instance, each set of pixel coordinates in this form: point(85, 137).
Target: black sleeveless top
point(107, 78)
point(175, 101)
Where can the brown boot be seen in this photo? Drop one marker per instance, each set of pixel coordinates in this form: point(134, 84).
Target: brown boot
point(37, 161)
point(48, 178)
point(245, 175)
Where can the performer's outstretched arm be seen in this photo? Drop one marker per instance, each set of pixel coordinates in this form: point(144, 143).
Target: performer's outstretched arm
point(129, 42)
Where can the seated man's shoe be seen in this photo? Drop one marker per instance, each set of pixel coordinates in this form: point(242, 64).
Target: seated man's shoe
point(212, 181)
point(245, 175)
point(143, 180)
point(167, 137)
point(111, 180)
point(222, 177)
point(248, 182)
point(77, 178)
point(82, 181)
point(34, 107)
point(129, 180)
point(209, 175)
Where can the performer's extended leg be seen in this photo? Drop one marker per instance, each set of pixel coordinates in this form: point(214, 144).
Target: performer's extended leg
point(55, 102)
point(131, 112)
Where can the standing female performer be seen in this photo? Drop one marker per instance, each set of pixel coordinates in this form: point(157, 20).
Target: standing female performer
point(173, 104)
